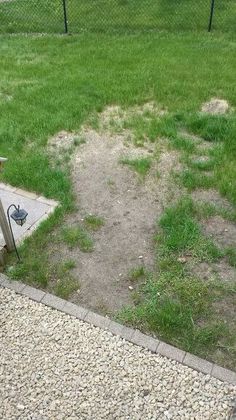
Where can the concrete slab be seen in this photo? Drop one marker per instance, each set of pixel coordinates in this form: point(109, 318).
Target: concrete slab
point(38, 210)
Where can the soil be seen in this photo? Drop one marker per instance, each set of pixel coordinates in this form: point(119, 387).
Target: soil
point(211, 197)
point(222, 232)
point(215, 106)
point(215, 271)
point(130, 207)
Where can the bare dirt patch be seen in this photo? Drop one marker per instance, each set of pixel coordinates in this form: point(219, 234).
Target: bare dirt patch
point(215, 106)
point(211, 197)
point(202, 144)
point(129, 206)
point(222, 232)
point(215, 271)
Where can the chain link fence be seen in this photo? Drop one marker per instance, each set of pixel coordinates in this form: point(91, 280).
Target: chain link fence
point(120, 16)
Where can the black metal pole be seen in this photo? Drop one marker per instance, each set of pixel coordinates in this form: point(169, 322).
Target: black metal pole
point(65, 16)
point(211, 15)
point(9, 221)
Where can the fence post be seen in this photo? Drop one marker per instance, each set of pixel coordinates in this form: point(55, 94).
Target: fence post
point(211, 15)
point(65, 16)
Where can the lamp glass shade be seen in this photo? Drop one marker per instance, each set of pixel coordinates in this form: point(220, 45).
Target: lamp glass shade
point(19, 216)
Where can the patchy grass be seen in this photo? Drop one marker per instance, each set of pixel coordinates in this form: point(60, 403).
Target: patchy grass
point(176, 305)
point(93, 222)
point(141, 166)
point(170, 70)
point(76, 236)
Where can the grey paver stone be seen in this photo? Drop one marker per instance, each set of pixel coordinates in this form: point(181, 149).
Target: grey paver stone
point(27, 194)
point(127, 333)
point(97, 320)
point(116, 328)
point(224, 374)
point(75, 310)
point(33, 293)
point(53, 301)
point(121, 330)
point(3, 278)
point(197, 363)
point(47, 201)
point(17, 286)
point(144, 340)
point(170, 351)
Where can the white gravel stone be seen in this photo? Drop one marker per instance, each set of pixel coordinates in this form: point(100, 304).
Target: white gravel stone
point(54, 366)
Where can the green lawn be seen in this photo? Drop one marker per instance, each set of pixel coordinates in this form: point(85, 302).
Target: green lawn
point(115, 15)
point(53, 83)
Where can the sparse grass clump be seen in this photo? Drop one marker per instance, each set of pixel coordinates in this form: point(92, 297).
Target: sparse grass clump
point(141, 166)
point(75, 236)
point(182, 233)
point(65, 287)
point(93, 222)
point(230, 252)
point(136, 273)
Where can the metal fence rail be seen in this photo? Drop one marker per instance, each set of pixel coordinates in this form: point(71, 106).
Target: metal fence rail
point(76, 16)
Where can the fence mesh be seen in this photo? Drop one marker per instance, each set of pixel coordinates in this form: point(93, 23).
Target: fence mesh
point(115, 15)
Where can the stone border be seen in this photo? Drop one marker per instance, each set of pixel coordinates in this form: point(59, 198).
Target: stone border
point(132, 335)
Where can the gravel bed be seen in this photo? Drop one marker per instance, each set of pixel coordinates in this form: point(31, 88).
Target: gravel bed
point(56, 367)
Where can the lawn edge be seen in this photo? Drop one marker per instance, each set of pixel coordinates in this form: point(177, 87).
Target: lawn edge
point(130, 334)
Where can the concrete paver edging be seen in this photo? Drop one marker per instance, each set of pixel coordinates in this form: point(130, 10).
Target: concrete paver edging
point(132, 335)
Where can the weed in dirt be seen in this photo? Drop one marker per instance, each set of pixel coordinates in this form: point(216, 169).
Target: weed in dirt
point(65, 287)
point(65, 284)
point(75, 236)
point(68, 265)
point(136, 273)
point(230, 252)
point(78, 141)
point(141, 166)
point(93, 222)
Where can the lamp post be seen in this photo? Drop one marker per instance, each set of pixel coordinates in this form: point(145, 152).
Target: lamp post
point(19, 216)
point(3, 220)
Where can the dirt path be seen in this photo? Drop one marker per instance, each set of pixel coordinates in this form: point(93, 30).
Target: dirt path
point(130, 208)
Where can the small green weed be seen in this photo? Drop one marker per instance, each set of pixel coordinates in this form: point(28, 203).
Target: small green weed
point(136, 273)
point(65, 287)
point(93, 222)
point(231, 254)
point(78, 141)
point(77, 236)
point(141, 166)
point(68, 265)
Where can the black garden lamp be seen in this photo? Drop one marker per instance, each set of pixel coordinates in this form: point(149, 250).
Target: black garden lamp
point(19, 216)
